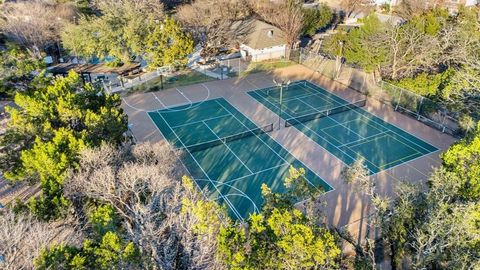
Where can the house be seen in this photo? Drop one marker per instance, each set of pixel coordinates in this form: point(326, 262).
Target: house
point(451, 5)
point(263, 42)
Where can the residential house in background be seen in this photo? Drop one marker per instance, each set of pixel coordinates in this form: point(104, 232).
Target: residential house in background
point(263, 42)
point(451, 5)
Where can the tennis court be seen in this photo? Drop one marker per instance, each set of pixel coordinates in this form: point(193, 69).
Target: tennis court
point(228, 155)
point(343, 128)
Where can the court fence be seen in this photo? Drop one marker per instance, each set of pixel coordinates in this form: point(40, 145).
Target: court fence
point(422, 109)
point(238, 67)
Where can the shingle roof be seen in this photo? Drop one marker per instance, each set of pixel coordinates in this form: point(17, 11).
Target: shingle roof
point(263, 35)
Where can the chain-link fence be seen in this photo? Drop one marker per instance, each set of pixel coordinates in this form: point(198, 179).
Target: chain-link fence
point(423, 109)
point(242, 66)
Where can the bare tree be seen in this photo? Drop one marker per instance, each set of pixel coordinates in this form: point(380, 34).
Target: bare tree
point(215, 24)
point(409, 8)
point(284, 14)
point(34, 24)
point(157, 209)
point(22, 237)
point(352, 7)
point(358, 174)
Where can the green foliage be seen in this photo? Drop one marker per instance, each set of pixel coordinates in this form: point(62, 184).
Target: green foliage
point(110, 252)
point(360, 46)
point(430, 22)
point(429, 85)
point(59, 257)
point(317, 18)
point(126, 31)
point(118, 32)
point(17, 69)
point(168, 44)
point(439, 227)
point(463, 159)
point(280, 237)
point(284, 239)
point(206, 213)
point(103, 219)
point(297, 189)
point(48, 161)
point(48, 130)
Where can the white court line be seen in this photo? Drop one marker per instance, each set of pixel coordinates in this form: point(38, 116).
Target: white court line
point(371, 173)
point(200, 121)
point(338, 123)
point(314, 133)
point(282, 148)
point(228, 147)
point(191, 105)
point(387, 123)
point(248, 175)
point(364, 140)
point(183, 95)
point(384, 125)
point(196, 161)
point(381, 171)
point(241, 193)
point(169, 107)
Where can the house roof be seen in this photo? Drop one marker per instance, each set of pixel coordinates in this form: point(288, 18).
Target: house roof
point(263, 35)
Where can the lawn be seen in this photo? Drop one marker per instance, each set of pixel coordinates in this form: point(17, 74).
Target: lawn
point(265, 66)
point(187, 77)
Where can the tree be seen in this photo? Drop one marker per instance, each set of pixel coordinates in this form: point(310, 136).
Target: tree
point(350, 7)
point(434, 227)
point(110, 252)
point(285, 14)
point(34, 24)
point(50, 127)
point(168, 45)
point(22, 238)
point(215, 24)
point(365, 46)
point(17, 70)
point(463, 160)
point(280, 236)
point(168, 220)
point(409, 8)
point(105, 250)
point(357, 174)
point(119, 31)
point(317, 18)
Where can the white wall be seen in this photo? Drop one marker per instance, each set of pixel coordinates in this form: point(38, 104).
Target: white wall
point(263, 54)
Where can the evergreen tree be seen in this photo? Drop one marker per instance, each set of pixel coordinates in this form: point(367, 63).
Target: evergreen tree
point(167, 44)
point(49, 128)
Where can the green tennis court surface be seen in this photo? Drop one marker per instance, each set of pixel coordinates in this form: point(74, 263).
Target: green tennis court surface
point(228, 155)
point(344, 130)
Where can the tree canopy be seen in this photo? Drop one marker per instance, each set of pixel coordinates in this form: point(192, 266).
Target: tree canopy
point(48, 129)
point(434, 226)
point(17, 69)
point(167, 44)
point(280, 236)
point(316, 19)
point(434, 53)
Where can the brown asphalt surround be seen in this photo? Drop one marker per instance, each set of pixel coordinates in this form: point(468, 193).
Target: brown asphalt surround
point(346, 205)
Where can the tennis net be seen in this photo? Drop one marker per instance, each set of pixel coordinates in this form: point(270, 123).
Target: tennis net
point(234, 137)
point(312, 116)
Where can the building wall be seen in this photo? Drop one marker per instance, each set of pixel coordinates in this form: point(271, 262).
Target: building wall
point(257, 55)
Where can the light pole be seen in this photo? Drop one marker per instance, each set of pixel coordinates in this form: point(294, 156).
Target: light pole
point(281, 84)
point(338, 64)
